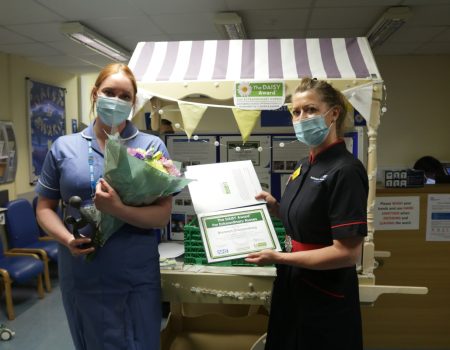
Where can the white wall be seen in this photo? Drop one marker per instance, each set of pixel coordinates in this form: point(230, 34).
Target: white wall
point(86, 82)
point(417, 122)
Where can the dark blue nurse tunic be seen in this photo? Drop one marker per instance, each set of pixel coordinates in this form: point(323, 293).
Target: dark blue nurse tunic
point(319, 309)
point(114, 301)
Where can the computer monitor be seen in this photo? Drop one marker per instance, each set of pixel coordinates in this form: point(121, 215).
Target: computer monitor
point(446, 177)
point(446, 167)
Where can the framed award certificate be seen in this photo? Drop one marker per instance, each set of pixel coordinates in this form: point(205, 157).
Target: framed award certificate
point(232, 234)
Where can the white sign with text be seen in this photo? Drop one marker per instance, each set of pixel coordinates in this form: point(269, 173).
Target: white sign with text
point(397, 213)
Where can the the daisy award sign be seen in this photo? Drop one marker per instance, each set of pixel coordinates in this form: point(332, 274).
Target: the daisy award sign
point(260, 95)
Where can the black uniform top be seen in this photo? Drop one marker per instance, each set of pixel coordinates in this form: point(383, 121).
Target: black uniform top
point(328, 199)
point(319, 309)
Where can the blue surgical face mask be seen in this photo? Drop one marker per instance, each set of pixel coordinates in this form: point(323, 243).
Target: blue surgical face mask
point(112, 111)
point(313, 130)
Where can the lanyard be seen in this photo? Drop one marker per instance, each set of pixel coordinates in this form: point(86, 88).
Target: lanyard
point(91, 168)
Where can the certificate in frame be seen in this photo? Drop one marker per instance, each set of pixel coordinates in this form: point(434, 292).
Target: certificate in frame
point(235, 233)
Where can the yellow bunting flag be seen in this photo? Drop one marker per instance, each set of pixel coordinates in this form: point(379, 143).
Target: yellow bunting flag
point(246, 121)
point(191, 114)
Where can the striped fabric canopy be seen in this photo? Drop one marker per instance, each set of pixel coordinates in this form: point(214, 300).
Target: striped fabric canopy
point(261, 59)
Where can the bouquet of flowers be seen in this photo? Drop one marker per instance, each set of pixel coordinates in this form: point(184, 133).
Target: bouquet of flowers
point(139, 177)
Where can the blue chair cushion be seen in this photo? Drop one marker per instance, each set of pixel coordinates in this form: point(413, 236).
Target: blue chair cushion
point(21, 268)
point(50, 247)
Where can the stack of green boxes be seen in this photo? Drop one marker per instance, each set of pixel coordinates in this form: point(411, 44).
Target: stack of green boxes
point(194, 252)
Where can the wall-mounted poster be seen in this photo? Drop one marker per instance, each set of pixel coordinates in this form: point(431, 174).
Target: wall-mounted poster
point(46, 116)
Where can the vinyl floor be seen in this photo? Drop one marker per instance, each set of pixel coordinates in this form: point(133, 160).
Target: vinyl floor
point(40, 324)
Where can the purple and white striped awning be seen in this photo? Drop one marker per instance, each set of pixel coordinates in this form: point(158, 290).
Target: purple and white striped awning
point(261, 59)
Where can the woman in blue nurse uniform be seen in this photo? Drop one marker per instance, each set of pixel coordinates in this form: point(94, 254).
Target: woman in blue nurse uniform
point(113, 301)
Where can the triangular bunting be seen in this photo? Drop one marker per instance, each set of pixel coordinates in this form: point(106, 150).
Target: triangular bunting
point(246, 121)
point(191, 114)
point(361, 100)
point(142, 98)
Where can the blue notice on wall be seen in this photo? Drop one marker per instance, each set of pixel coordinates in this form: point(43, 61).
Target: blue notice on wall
point(277, 117)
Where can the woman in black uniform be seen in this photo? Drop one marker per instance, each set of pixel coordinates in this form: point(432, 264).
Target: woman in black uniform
point(315, 299)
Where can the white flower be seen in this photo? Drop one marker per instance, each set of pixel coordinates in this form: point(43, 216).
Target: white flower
point(244, 89)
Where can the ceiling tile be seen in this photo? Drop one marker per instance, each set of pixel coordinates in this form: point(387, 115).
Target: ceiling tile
point(127, 27)
point(9, 37)
point(78, 10)
point(361, 3)
point(415, 34)
point(185, 23)
point(36, 23)
point(430, 15)
point(349, 17)
point(155, 7)
point(424, 2)
point(25, 11)
point(70, 47)
point(39, 31)
point(275, 19)
point(237, 5)
point(132, 39)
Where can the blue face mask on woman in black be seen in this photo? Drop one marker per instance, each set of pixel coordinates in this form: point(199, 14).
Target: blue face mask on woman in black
point(313, 130)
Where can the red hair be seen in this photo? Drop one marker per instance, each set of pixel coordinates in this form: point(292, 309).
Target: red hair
point(111, 69)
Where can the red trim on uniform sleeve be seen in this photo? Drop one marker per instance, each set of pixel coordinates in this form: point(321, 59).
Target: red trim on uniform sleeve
point(350, 223)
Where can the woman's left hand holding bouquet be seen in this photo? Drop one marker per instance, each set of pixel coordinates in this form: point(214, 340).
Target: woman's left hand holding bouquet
point(108, 201)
